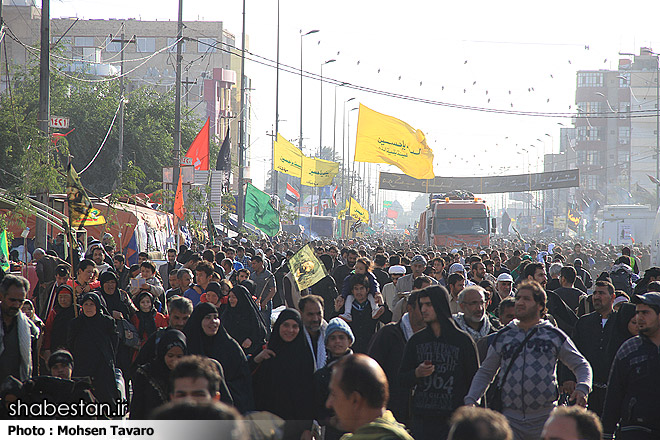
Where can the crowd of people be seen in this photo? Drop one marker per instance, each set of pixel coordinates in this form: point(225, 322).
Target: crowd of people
point(401, 341)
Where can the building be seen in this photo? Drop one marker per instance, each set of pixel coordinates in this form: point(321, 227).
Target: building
point(615, 132)
point(210, 86)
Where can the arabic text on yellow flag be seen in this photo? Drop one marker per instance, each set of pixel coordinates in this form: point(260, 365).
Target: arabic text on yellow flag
point(358, 212)
point(306, 268)
point(317, 172)
point(288, 159)
point(81, 210)
point(385, 139)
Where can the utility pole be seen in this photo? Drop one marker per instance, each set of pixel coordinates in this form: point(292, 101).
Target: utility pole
point(122, 91)
point(44, 107)
point(240, 205)
point(277, 103)
point(177, 102)
point(187, 84)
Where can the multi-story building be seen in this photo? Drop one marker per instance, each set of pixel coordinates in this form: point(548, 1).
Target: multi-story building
point(615, 131)
point(210, 86)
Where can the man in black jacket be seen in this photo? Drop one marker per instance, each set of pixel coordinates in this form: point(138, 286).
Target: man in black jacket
point(387, 348)
point(439, 363)
point(633, 393)
point(598, 337)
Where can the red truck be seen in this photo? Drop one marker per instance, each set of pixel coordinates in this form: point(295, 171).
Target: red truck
point(455, 219)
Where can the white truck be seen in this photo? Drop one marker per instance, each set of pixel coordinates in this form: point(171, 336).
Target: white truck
point(627, 224)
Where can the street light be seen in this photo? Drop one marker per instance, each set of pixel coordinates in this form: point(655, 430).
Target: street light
point(343, 150)
point(300, 140)
point(321, 130)
point(321, 112)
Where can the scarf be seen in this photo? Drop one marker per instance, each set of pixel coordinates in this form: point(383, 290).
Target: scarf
point(476, 335)
point(26, 331)
point(406, 327)
point(320, 356)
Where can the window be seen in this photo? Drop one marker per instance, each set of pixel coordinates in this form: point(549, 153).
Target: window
point(205, 45)
point(623, 156)
point(172, 47)
point(147, 45)
point(586, 133)
point(590, 79)
point(594, 108)
point(592, 182)
point(624, 110)
point(84, 41)
point(624, 135)
point(593, 157)
point(112, 47)
point(624, 79)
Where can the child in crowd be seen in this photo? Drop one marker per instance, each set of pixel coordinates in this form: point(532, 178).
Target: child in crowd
point(362, 267)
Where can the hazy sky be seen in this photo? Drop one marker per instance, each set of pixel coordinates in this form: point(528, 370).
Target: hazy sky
point(511, 52)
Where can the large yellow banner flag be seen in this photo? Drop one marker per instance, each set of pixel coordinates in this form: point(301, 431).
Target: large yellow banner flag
point(385, 139)
point(318, 172)
point(288, 159)
point(358, 212)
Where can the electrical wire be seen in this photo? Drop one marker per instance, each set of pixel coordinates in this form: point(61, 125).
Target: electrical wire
point(310, 75)
point(104, 139)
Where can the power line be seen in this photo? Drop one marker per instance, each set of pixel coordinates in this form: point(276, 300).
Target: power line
point(102, 143)
point(310, 75)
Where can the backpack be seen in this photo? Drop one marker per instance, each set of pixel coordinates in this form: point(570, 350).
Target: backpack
point(621, 280)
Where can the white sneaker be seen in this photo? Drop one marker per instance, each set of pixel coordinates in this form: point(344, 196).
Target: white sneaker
point(346, 317)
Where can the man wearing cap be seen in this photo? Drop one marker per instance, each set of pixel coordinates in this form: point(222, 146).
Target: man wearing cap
point(503, 289)
point(338, 341)
point(59, 387)
point(60, 364)
point(417, 264)
point(389, 290)
point(633, 392)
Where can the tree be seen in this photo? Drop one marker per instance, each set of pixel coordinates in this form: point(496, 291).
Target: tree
point(29, 160)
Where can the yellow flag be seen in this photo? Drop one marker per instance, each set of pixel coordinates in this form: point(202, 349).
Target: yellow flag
point(317, 172)
point(385, 139)
point(358, 212)
point(288, 159)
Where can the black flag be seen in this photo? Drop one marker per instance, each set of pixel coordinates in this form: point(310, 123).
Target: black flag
point(223, 163)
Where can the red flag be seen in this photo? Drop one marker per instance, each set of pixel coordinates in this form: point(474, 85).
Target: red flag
point(334, 195)
point(179, 209)
point(653, 179)
point(199, 149)
point(392, 213)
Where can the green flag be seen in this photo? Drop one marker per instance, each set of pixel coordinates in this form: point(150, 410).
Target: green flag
point(4, 251)
point(210, 226)
point(259, 211)
point(307, 270)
